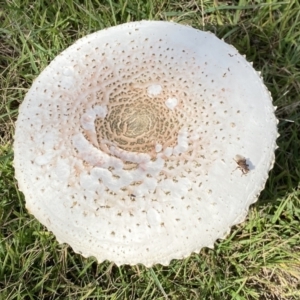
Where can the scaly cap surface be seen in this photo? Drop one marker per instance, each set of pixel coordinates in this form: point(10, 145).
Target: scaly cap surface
point(125, 144)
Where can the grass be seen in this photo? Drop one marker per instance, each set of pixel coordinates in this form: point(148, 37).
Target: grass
point(260, 259)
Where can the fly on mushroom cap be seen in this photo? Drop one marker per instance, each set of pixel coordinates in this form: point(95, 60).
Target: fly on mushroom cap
point(126, 143)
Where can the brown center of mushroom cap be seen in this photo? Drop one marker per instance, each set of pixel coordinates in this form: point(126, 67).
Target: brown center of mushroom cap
point(136, 122)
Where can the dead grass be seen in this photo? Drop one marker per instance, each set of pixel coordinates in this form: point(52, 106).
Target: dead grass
point(260, 259)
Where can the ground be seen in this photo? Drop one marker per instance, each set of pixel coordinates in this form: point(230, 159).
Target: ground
point(260, 259)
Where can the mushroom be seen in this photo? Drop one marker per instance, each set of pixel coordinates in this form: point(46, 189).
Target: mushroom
point(130, 146)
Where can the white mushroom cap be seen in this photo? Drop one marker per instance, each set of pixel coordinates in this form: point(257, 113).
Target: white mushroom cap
point(126, 144)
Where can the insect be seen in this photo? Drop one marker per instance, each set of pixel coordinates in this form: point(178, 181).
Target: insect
point(242, 164)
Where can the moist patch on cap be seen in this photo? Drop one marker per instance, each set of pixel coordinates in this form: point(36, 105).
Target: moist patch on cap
point(126, 144)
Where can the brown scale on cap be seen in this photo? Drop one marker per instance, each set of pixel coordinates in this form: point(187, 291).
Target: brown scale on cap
point(137, 123)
